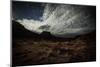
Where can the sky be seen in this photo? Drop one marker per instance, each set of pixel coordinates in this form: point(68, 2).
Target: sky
point(63, 20)
point(28, 10)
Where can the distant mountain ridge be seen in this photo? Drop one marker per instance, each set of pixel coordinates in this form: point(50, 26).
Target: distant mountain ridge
point(18, 31)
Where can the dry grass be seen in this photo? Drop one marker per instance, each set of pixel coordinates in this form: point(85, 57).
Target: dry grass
point(28, 51)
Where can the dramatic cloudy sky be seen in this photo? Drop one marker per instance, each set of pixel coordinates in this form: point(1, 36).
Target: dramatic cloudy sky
point(62, 20)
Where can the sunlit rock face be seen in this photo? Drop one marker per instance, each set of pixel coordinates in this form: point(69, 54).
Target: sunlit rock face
point(63, 20)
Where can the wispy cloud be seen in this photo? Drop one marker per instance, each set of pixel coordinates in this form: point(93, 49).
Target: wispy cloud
point(62, 20)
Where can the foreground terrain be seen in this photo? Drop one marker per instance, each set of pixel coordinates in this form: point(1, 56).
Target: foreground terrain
point(30, 49)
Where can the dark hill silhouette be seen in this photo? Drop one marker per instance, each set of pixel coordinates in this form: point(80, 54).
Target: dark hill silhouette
point(18, 31)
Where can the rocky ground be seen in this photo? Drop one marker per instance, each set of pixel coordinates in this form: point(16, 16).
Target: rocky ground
point(32, 49)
